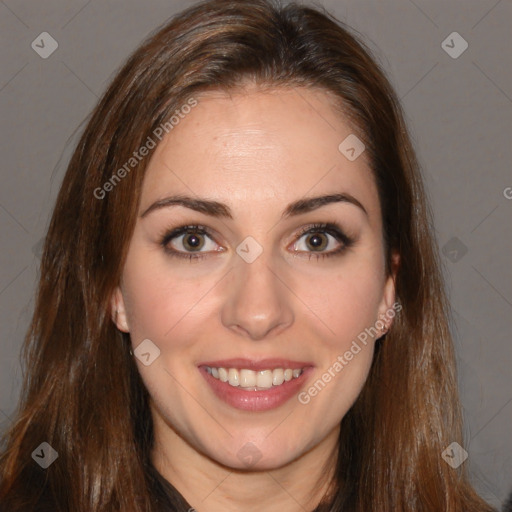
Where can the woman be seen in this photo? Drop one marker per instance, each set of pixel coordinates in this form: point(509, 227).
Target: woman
point(240, 304)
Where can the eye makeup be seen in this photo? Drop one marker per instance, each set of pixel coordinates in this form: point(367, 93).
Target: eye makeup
point(193, 235)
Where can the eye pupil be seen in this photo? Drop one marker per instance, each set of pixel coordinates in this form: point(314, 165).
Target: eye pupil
point(192, 241)
point(316, 241)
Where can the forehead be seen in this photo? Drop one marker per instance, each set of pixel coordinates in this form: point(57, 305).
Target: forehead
point(256, 147)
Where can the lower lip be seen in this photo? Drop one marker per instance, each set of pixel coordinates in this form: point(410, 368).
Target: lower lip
point(262, 400)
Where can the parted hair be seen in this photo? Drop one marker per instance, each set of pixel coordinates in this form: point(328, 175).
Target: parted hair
point(81, 389)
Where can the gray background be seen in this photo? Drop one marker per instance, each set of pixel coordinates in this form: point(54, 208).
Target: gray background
point(459, 111)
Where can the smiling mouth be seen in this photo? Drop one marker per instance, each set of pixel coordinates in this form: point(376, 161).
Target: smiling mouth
point(251, 380)
point(256, 385)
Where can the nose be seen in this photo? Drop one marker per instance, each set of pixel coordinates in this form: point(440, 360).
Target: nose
point(258, 301)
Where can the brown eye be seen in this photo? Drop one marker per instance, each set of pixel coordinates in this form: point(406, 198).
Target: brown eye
point(322, 240)
point(192, 241)
point(317, 241)
point(189, 242)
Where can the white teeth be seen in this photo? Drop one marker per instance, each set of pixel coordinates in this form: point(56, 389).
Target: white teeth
point(264, 379)
point(223, 374)
point(278, 377)
point(233, 377)
point(254, 380)
point(247, 378)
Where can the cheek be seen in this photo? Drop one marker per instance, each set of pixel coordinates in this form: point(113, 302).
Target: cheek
point(346, 305)
point(345, 301)
point(166, 308)
point(161, 303)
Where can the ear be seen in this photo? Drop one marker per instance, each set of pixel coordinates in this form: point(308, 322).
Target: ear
point(118, 310)
point(388, 296)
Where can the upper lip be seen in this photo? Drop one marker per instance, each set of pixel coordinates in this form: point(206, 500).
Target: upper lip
point(256, 364)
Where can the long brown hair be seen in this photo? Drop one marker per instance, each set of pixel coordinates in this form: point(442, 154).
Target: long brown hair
point(82, 393)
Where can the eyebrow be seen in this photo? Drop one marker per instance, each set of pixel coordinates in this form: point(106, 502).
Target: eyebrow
point(220, 210)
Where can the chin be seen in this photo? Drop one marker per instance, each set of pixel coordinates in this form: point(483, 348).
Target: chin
point(256, 461)
point(249, 457)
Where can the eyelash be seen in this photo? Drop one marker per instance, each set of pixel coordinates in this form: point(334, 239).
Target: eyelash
point(330, 228)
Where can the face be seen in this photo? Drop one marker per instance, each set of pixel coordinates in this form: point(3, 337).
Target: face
point(247, 293)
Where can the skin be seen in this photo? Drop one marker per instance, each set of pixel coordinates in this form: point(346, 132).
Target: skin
point(256, 151)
